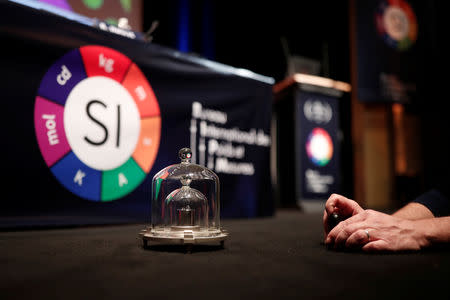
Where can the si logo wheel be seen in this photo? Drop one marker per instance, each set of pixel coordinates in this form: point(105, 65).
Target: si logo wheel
point(396, 24)
point(97, 123)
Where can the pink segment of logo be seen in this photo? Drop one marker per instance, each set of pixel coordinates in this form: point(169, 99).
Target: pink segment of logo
point(49, 126)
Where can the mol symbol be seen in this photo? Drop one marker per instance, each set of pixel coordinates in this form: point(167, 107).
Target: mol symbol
point(50, 124)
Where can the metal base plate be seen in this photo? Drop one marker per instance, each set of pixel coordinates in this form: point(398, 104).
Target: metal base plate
point(188, 239)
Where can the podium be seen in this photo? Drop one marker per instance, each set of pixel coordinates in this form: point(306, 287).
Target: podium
point(307, 140)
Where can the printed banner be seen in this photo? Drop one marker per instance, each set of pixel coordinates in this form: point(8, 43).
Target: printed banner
point(93, 116)
point(387, 41)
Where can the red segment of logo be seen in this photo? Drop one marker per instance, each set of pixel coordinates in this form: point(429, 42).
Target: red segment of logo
point(102, 61)
point(139, 88)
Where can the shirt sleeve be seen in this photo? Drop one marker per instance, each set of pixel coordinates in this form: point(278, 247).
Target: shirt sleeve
point(437, 202)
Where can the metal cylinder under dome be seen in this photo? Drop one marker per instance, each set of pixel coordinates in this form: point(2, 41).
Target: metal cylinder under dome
point(185, 205)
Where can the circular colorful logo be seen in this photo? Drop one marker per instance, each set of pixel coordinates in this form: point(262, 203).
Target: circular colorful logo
point(319, 147)
point(396, 23)
point(97, 123)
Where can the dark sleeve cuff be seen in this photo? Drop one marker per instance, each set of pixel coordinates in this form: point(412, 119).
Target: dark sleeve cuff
point(436, 202)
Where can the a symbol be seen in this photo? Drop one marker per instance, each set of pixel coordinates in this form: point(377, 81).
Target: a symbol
point(317, 111)
point(64, 76)
point(88, 111)
point(396, 24)
point(79, 177)
point(147, 141)
point(122, 180)
point(140, 92)
point(98, 125)
point(105, 63)
point(319, 147)
point(50, 124)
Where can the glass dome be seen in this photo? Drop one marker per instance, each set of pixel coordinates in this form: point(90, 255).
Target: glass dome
point(185, 204)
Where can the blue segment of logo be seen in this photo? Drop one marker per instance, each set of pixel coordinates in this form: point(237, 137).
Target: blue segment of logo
point(62, 77)
point(78, 178)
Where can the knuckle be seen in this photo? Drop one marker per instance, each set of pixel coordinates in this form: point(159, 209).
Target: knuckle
point(347, 230)
point(360, 236)
point(370, 211)
point(367, 213)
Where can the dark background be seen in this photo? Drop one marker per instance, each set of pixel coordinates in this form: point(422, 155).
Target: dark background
point(247, 34)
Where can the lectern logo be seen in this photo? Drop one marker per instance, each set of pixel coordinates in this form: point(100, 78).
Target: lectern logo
point(317, 111)
point(319, 147)
point(97, 123)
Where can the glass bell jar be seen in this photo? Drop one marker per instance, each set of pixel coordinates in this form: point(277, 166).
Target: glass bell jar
point(185, 205)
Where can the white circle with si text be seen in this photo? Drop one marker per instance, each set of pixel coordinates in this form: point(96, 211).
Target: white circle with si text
point(101, 122)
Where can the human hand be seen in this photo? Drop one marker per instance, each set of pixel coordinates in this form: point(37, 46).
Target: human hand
point(371, 230)
point(338, 204)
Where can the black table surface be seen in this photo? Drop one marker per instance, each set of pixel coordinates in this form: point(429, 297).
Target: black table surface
point(279, 257)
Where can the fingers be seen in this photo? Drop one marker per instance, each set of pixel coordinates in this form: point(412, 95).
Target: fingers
point(376, 246)
point(332, 202)
point(340, 235)
point(357, 239)
point(346, 228)
point(342, 205)
point(330, 207)
point(351, 232)
point(352, 238)
point(326, 227)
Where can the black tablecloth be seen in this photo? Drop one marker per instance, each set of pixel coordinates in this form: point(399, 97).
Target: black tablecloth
point(276, 257)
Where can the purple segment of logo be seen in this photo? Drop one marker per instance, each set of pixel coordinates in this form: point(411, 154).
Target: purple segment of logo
point(62, 77)
point(49, 126)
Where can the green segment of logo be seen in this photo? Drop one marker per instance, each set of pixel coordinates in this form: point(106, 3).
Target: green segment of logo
point(121, 181)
